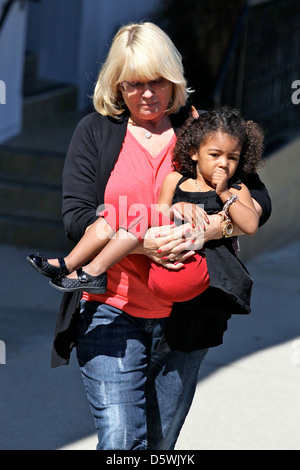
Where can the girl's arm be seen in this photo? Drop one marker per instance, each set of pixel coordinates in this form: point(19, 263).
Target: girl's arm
point(263, 206)
point(166, 194)
point(242, 211)
point(184, 211)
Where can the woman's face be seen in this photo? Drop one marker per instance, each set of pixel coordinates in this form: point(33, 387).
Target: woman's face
point(147, 100)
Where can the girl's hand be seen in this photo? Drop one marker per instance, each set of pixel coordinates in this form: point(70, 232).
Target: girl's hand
point(220, 180)
point(190, 213)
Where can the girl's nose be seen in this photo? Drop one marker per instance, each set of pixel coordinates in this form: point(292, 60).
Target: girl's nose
point(223, 163)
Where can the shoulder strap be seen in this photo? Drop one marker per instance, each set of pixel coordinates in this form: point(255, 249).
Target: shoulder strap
point(184, 178)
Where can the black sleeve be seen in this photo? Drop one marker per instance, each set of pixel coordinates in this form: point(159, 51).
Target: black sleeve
point(260, 193)
point(78, 180)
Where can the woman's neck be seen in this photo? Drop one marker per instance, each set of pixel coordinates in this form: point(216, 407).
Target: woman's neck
point(154, 126)
point(153, 135)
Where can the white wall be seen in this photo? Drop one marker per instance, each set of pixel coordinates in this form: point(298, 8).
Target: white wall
point(71, 38)
point(12, 46)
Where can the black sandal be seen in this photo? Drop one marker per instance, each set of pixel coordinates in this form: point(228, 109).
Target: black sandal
point(41, 265)
point(84, 282)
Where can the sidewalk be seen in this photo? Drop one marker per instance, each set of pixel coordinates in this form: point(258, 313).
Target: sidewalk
point(248, 392)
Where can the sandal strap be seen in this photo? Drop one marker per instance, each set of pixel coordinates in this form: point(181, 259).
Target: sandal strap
point(63, 267)
point(82, 275)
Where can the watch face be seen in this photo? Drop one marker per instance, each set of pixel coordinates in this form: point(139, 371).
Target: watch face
point(229, 229)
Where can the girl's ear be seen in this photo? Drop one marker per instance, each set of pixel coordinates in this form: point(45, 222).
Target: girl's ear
point(194, 157)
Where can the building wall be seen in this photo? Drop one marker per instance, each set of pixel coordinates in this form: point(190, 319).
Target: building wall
point(12, 48)
point(281, 176)
point(71, 38)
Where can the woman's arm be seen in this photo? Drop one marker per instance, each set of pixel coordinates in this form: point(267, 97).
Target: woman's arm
point(78, 179)
point(260, 197)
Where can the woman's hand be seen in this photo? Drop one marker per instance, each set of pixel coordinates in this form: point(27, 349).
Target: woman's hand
point(167, 244)
point(177, 244)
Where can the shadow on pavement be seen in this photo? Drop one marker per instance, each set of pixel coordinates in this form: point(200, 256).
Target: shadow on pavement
point(43, 408)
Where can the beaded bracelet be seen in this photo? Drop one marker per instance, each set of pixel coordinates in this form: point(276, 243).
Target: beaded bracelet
point(228, 203)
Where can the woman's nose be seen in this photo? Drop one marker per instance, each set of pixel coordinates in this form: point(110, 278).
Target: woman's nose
point(148, 90)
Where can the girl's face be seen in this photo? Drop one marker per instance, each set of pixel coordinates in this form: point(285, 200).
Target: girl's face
point(218, 151)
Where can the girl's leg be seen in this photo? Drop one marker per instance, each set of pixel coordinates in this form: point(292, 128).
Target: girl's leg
point(94, 240)
point(96, 237)
point(114, 248)
point(110, 224)
point(177, 286)
point(127, 233)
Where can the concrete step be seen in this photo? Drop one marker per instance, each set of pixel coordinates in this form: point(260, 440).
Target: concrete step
point(30, 199)
point(43, 201)
point(46, 105)
point(30, 72)
point(31, 167)
point(44, 99)
point(35, 232)
point(35, 166)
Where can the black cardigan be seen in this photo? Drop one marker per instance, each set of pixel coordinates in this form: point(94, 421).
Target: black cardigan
point(92, 154)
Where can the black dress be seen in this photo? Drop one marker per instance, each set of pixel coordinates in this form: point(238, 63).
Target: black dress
point(229, 292)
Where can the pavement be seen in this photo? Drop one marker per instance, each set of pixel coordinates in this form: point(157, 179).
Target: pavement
point(247, 396)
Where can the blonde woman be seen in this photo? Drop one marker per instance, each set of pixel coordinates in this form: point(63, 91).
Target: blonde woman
point(139, 389)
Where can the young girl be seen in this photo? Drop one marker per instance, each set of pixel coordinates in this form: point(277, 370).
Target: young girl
point(211, 154)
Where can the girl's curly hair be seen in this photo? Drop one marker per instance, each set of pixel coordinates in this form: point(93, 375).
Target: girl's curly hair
point(196, 131)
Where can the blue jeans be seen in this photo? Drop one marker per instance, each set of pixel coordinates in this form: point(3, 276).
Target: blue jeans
point(139, 397)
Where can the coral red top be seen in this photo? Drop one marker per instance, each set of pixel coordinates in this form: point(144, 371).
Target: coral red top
point(136, 178)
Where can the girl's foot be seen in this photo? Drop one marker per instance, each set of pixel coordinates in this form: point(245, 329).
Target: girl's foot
point(42, 266)
point(83, 282)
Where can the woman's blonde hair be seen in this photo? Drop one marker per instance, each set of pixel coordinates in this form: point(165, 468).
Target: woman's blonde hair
point(139, 51)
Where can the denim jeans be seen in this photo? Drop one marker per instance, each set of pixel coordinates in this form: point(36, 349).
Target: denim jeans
point(139, 397)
